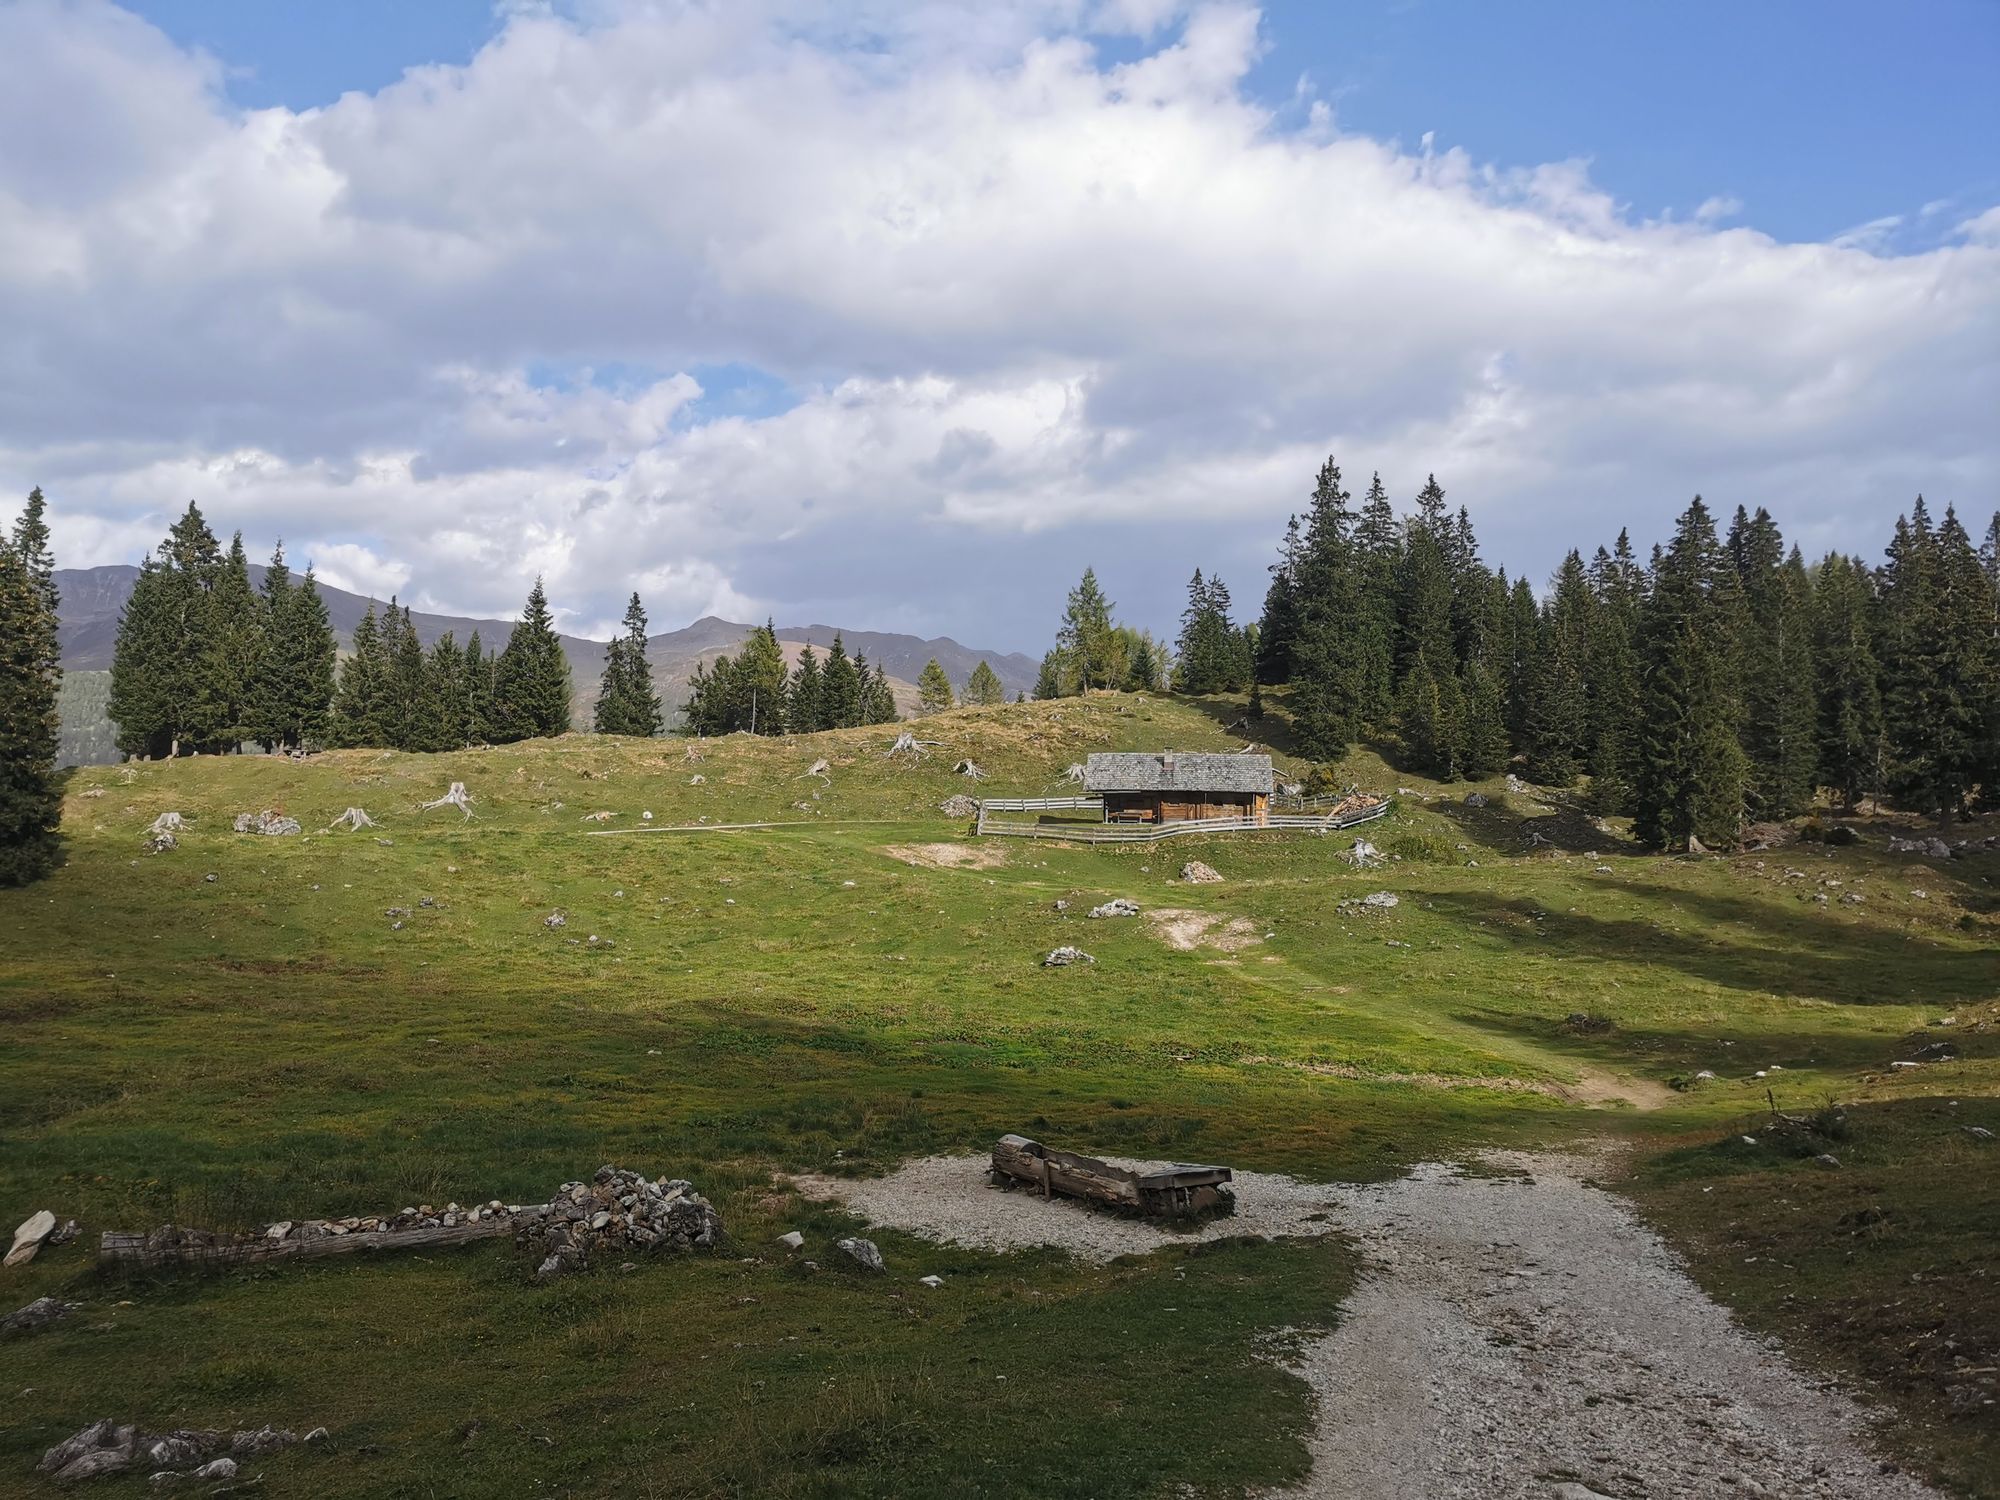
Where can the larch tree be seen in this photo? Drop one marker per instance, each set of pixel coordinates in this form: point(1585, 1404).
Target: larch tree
point(983, 686)
point(933, 688)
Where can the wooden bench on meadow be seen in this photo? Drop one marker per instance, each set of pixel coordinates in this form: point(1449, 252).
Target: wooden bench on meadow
point(1178, 1190)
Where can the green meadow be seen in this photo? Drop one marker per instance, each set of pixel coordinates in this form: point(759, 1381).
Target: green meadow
point(351, 1022)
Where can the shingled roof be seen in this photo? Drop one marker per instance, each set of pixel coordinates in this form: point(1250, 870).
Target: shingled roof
point(1177, 771)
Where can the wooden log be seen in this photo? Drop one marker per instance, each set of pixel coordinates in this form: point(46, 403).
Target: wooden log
point(1181, 1188)
point(127, 1248)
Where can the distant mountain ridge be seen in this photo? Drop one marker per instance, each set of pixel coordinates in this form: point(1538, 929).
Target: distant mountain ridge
point(93, 597)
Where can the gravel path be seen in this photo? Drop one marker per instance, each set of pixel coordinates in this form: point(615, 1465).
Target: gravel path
point(1513, 1336)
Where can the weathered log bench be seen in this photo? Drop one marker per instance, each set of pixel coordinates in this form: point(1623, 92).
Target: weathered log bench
point(1176, 1192)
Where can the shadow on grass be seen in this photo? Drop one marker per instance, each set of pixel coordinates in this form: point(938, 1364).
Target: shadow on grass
point(1743, 945)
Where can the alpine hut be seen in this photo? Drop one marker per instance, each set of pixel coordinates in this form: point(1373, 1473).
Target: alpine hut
point(1174, 786)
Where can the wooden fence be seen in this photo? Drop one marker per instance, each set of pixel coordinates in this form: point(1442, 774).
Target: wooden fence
point(1146, 833)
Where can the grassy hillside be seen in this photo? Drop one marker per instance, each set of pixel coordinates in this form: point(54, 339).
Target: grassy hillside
point(857, 985)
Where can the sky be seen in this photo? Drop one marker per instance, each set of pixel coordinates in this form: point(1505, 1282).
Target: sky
point(897, 315)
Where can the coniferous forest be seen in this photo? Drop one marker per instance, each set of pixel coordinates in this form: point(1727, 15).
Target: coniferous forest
point(1722, 681)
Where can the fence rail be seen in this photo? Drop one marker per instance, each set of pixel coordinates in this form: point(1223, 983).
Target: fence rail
point(1147, 833)
point(1042, 804)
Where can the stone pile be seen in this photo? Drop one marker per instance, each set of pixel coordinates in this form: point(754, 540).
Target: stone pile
point(1064, 956)
point(1194, 872)
point(275, 825)
point(960, 806)
point(424, 1216)
point(619, 1211)
point(1118, 906)
point(1931, 848)
point(107, 1447)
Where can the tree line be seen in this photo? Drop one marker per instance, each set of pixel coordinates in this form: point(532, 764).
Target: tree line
point(1722, 681)
point(30, 678)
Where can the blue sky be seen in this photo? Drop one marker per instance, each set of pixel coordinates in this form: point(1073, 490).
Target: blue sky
point(1820, 116)
point(800, 308)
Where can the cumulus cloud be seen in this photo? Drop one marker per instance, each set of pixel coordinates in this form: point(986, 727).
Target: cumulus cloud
point(1024, 300)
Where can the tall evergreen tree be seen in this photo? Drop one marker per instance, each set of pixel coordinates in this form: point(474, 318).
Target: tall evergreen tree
point(933, 688)
point(1089, 645)
point(1430, 714)
point(1328, 685)
point(361, 699)
point(30, 678)
point(626, 702)
point(1519, 643)
point(1775, 644)
point(1617, 589)
point(532, 690)
point(1690, 782)
point(232, 652)
point(1482, 732)
point(1559, 711)
point(1940, 670)
point(161, 696)
point(443, 724)
point(1378, 541)
point(878, 698)
point(983, 686)
point(1850, 689)
point(1280, 626)
point(840, 686)
point(804, 699)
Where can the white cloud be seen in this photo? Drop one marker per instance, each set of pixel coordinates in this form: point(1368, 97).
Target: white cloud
point(1020, 293)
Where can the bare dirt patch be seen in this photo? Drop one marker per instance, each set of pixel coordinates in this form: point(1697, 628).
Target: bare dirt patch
point(1520, 1334)
point(948, 856)
point(1188, 930)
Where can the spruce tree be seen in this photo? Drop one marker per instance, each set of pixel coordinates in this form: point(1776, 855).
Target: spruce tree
point(1327, 680)
point(1690, 773)
point(804, 699)
point(626, 701)
point(360, 700)
point(1429, 711)
point(933, 688)
point(1482, 732)
point(412, 714)
point(532, 690)
point(983, 686)
point(232, 653)
point(479, 674)
point(1559, 715)
point(1089, 645)
point(1279, 630)
point(162, 696)
point(1617, 591)
point(759, 683)
point(1378, 540)
point(1521, 640)
point(267, 688)
point(1940, 666)
point(840, 687)
point(30, 678)
point(878, 698)
point(1850, 691)
point(1774, 639)
point(443, 721)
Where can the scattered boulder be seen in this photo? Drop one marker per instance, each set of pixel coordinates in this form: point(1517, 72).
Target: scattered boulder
point(1930, 848)
point(619, 1210)
point(106, 1447)
point(28, 1238)
point(1977, 1132)
point(959, 806)
point(1475, 799)
point(1066, 955)
point(933, 1282)
point(1376, 901)
point(1826, 1159)
point(33, 1318)
point(792, 1240)
point(554, 920)
point(863, 1253)
point(1194, 872)
point(271, 824)
point(1118, 906)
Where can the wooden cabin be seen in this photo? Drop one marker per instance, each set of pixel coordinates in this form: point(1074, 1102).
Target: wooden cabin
point(1174, 786)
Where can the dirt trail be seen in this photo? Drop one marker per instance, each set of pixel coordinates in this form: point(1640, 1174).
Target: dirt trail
point(1517, 1335)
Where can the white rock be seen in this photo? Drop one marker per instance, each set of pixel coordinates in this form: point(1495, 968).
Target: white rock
point(28, 1238)
point(932, 1281)
point(863, 1253)
point(792, 1240)
point(217, 1468)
